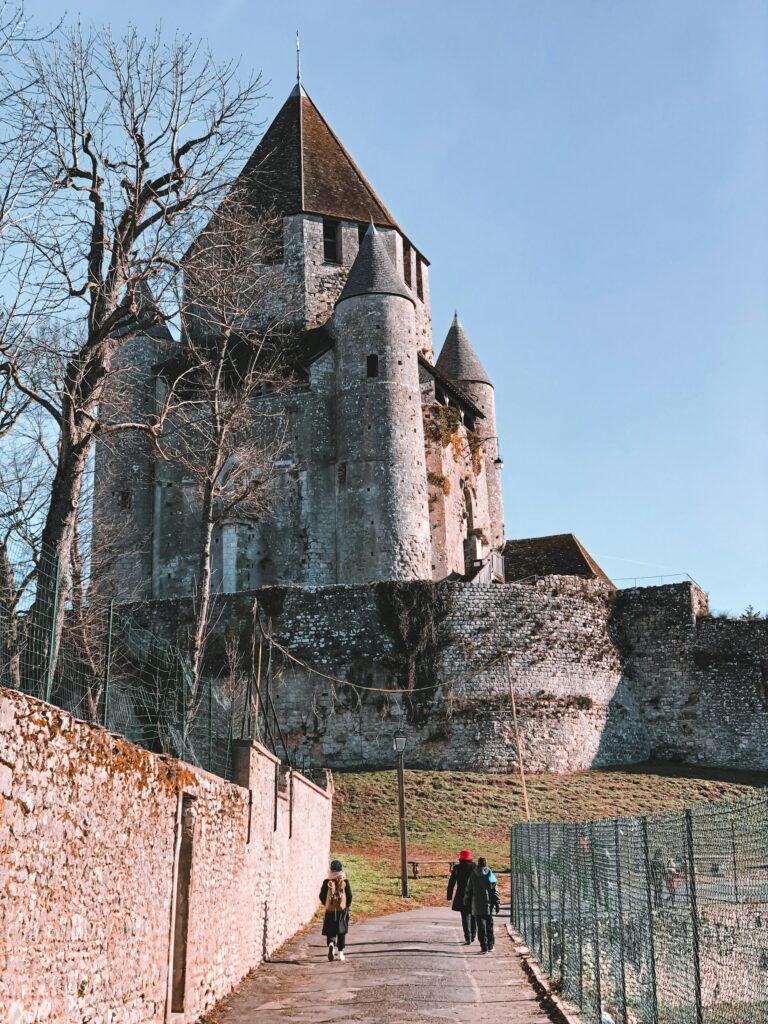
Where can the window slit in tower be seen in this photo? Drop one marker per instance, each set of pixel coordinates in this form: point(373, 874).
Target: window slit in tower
point(331, 246)
point(372, 364)
point(419, 279)
point(407, 262)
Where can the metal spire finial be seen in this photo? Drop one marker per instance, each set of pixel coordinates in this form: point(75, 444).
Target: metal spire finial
point(298, 58)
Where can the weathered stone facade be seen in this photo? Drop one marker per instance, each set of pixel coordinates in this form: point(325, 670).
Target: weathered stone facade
point(134, 888)
point(601, 677)
point(360, 490)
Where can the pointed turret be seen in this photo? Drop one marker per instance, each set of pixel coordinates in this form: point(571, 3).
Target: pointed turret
point(458, 360)
point(373, 272)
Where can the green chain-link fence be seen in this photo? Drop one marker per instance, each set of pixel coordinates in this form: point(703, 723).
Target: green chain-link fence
point(91, 658)
point(651, 920)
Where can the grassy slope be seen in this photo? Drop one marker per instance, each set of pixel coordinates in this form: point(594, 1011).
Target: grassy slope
point(450, 810)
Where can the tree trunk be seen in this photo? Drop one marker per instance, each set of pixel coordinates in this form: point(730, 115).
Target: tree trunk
point(56, 547)
point(10, 658)
point(200, 626)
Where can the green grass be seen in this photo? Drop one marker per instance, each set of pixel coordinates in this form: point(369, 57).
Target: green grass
point(447, 811)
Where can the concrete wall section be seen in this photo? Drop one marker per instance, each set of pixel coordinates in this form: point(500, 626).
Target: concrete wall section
point(90, 881)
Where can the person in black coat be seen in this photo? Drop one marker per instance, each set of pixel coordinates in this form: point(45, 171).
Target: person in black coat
point(481, 897)
point(336, 921)
point(457, 885)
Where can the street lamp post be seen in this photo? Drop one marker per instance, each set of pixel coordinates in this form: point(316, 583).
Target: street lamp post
point(398, 742)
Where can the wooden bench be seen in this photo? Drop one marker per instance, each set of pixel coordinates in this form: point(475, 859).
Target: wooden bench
point(417, 864)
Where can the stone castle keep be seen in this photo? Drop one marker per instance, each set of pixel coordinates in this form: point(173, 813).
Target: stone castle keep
point(390, 469)
point(383, 561)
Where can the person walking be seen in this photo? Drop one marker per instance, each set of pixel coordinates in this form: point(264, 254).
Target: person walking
point(673, 880)
point(481, 897)
point(457, 885)
point(658, 874)
point(336, 897)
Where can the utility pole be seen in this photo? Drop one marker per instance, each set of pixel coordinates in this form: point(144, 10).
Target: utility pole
point(398, 742)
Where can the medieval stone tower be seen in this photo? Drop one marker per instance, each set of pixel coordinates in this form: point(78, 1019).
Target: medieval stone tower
point(381, 463)
point(390, 468)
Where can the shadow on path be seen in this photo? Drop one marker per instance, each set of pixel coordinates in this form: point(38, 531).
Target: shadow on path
point(410, 968)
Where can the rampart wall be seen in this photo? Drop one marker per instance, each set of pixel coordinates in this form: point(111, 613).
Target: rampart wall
point(107, 850)
point(601, 677)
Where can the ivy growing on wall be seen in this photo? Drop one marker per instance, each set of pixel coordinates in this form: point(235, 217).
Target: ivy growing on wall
point(412, 611)
point(476, 451)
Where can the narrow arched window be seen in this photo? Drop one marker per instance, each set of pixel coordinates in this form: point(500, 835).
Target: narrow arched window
point(373, 366)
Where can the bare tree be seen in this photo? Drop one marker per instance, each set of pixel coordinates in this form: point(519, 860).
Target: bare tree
point(221, 426)
point(135, 143)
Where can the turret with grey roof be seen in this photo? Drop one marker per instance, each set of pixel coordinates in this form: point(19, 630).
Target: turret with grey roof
point(459, 362)
point(382, 518)
point(373, 272)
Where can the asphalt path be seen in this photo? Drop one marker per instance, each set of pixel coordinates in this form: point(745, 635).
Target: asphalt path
point(410, 968)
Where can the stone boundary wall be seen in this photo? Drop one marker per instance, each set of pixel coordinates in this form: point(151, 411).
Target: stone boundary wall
point(567, 672)
point(93, 884)
point(602, 676)
point(700, 683)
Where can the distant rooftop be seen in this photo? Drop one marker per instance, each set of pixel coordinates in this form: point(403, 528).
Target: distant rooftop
point(559, 555)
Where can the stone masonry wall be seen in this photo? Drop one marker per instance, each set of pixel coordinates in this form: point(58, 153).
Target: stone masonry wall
point(89, 871)
point(601, 677)
point(574, 707)
point(701, 683)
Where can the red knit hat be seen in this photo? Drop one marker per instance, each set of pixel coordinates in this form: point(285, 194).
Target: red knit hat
point(465, 855)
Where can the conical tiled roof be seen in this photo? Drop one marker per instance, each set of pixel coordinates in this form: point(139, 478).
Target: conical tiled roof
point(301, 166)
point(373, 272)
point(458, 360)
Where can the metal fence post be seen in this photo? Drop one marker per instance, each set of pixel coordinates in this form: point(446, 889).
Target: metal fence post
point(50, 664)
point(210, 722)
point(180, 676)
point(649, 902)
point(539, 881)
point(620, 923)
point(532, 939)
point(522, 909)
point(512, 901)
point(579, 925)
point(549, 900)
point(733, 854)
point(562, 929)
point(108, 662)
point(691, 884)
point(596, 935)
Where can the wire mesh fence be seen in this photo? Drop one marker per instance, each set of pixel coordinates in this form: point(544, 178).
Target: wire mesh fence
point(92, 658)
point(651, 920)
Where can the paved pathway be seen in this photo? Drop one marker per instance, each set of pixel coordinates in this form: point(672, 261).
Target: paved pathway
point(410, 968)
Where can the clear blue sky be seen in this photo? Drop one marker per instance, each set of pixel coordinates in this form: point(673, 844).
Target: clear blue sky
point(590, 181)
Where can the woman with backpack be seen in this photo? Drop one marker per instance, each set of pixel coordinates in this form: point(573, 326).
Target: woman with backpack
point(336, 897)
